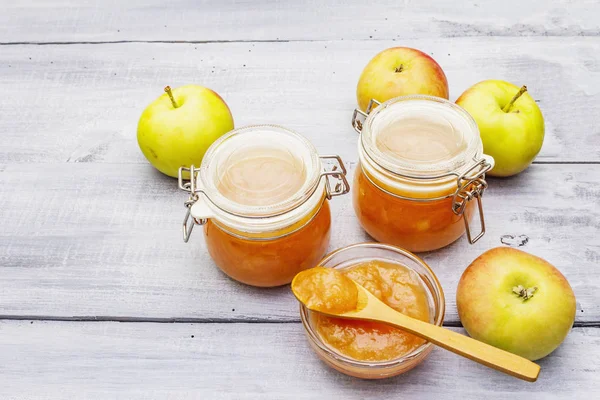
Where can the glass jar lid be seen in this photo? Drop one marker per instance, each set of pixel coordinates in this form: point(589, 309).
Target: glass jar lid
point(421, 137)
point(261, 178)
point(260, 171)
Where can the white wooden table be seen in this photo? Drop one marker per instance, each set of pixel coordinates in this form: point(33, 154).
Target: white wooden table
point(99, 296)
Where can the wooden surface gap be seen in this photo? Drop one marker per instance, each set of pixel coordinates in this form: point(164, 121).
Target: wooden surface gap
point(163, 42)
point(157, 320)
point(566, 162)
point(179, 320)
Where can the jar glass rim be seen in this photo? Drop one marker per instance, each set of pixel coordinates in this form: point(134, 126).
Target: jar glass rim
point(271, 135)
point(416, 353)
point(451, 166)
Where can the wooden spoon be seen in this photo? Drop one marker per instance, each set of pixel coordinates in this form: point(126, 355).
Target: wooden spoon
point(370, 308)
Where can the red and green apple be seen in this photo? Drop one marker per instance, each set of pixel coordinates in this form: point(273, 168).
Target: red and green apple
point(516, 301)
point(400, 71)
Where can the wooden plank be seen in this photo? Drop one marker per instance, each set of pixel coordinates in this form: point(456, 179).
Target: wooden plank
point(104, 240)
point(242, 361)
point(79, 103)
point(43, 21)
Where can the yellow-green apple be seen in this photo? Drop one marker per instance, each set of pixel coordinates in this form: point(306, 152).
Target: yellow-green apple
point(516, 301)
point(177, 128)
point(510, 123)
point(400, 71)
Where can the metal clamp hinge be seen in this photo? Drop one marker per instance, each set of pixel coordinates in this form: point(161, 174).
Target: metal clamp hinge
point(359, 116)
point(190, 186)
point(338, 172)
point(471, 187)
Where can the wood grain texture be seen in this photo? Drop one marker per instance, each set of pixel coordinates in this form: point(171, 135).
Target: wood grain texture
point(99, 360)
point(177, 20)
point(93, 240)
point(81, 103)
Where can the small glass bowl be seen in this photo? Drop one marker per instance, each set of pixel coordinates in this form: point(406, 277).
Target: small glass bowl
point(357, 253)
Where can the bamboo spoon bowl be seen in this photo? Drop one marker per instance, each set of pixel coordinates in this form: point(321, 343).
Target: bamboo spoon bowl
point(370, 308)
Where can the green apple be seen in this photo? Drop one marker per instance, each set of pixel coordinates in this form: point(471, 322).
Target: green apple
point(510, 123)
point(516, 301)
point(400, 71)
point(177, 128)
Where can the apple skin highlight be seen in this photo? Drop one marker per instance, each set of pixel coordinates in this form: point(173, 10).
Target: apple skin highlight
point(492, 312)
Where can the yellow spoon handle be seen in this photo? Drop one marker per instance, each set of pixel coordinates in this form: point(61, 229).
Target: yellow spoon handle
point(475, 350)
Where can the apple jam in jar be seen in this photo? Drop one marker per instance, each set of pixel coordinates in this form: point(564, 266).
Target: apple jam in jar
point(421, 172)
point(262, 194)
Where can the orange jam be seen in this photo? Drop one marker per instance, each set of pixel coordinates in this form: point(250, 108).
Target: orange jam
point(325, 289)
point(409, 223)
point(271, 258)
point(395, 285)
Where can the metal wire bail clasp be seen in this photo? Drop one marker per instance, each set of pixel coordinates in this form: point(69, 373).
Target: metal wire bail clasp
point(190, 186)
point(359, 116)
point(337, 172)
point(471, 187)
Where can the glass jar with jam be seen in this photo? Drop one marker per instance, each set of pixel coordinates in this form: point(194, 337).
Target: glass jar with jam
point(368, 349)
point(421, 172)
point(262, 195)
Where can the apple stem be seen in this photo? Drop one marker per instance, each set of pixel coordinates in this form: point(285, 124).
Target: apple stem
point(168, 90)
point(525, 293)
point(510, 104)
